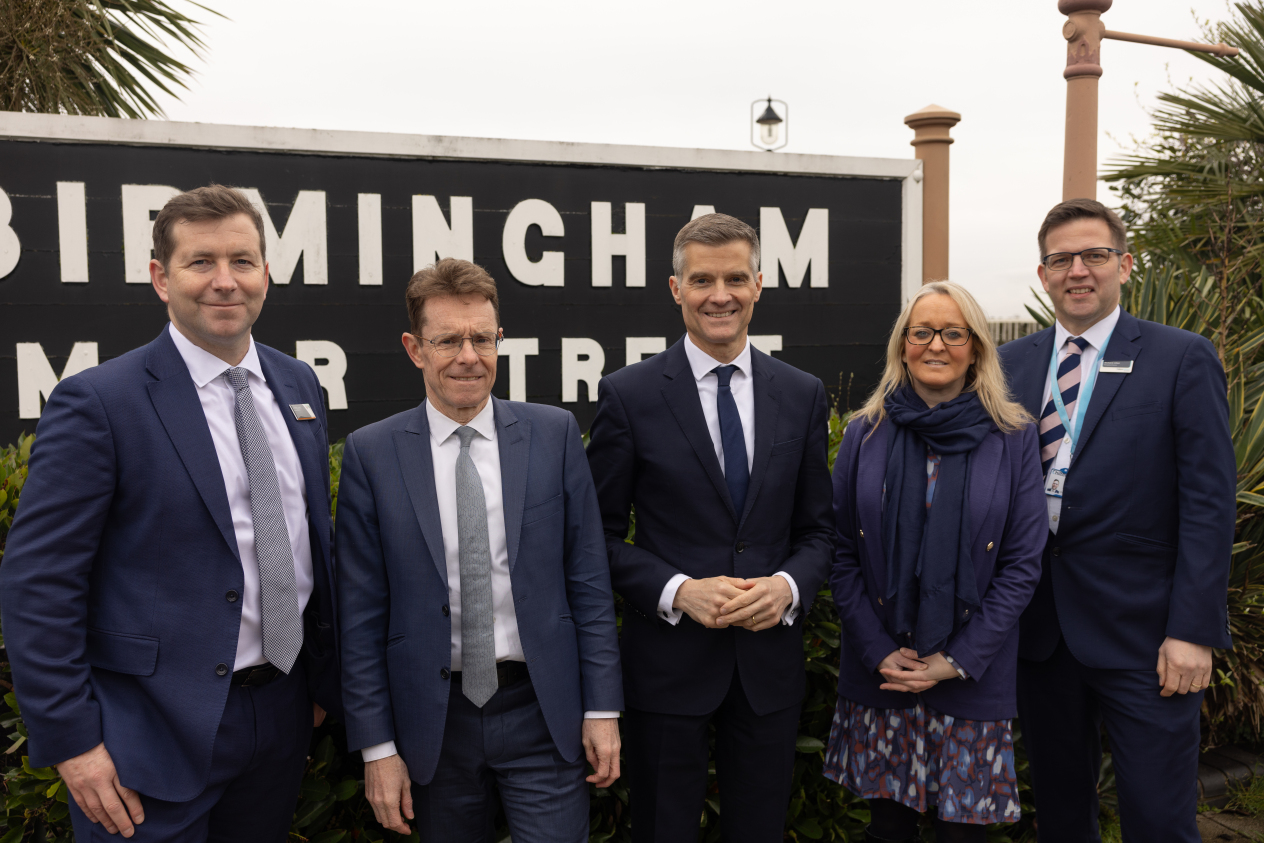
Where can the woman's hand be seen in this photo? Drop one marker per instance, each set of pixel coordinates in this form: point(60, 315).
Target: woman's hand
point(905, 671)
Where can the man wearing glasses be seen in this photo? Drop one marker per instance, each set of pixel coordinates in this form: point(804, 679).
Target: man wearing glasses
point(1140, 478)
point(475, 598)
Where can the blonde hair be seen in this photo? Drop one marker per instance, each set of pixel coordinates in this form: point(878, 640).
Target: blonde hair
point(983, 377)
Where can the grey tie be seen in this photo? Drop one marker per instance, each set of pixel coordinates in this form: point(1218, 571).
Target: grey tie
point(280, 618)
point(478, 642)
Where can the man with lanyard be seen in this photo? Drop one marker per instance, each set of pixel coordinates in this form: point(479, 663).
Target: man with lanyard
point(1140, 479)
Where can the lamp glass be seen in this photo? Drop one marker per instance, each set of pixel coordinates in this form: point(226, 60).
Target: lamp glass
point(769, 133)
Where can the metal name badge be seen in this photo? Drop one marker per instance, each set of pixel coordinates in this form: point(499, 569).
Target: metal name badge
point(1123, 367)
point(302, 412)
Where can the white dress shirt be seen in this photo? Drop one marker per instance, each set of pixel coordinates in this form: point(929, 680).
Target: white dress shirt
point(219, 403)
point(445, 447)
point(1097, 337)
point(743, 390)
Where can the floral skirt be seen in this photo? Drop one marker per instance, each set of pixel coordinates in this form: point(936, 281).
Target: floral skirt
point(919, 757)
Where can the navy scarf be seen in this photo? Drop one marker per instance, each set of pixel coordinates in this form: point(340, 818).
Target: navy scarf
point(929, 564)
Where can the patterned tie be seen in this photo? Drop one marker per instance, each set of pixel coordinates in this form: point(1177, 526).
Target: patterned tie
point(478, 641)
point(279, 616)
point(1051, 429)
point(736, 471)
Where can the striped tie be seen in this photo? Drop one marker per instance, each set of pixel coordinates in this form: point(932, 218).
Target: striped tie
point(1051, 429)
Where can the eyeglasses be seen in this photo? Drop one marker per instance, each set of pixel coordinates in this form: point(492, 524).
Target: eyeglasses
point(449, 345)
point(922, 335)
point(1061, 261)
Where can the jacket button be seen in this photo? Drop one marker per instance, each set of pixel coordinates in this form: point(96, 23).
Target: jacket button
point(444, 673)
point(879, 601)
point(990, 546)
point(446, 611)
point(741, 546)
point(862, 534)
point(221, 669)
point(231, 597)
point(1055, 551)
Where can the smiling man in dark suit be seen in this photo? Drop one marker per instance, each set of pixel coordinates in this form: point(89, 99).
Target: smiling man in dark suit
point(167, 586)
point(1135, 433)
point(721, 449)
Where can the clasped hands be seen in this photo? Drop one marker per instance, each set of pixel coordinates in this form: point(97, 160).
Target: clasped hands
point(720, 602)
point(906, 671)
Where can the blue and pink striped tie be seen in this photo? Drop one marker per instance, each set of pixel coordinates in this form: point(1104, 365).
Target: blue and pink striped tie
point(1051, 429)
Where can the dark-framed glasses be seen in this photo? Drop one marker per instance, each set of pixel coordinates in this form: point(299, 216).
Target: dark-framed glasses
point(924, 335)
point(1061, 261)
point(449, 345)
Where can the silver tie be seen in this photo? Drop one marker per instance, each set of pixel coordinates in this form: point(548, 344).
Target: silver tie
point(280, 618)
point(478, 642)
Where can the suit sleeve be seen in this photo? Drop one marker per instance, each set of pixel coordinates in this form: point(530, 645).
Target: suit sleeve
point(637, 574)
point(588, 590)
point(364, 608)
point(1206, 472)
point(1017, 571)
point(811, 530)
point(48, 565)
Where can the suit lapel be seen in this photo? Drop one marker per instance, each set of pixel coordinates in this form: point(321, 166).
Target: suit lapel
point(175, 399)
point(1124, 344)
point(412, 446)
point(1033, 371)
point(681, 395)
point(985, 466)
point(767, 407)
point(871, 473)
point(513, 437)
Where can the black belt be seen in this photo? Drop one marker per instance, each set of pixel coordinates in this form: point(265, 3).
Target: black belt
point(254, 677)
point(507, 673)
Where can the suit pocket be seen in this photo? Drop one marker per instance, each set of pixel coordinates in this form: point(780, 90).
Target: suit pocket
point(122, 653)
point(1136, 410)
point(395, 640)
point(790, 446)
point(540, 511)
point(1146, 542)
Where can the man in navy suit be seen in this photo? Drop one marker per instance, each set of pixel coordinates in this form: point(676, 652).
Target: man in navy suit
point(1135, 432)
point(167, 586)
point(721, 450)
point(479, 643)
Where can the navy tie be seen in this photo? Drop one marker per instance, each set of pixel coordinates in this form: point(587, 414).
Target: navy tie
point(736, 471)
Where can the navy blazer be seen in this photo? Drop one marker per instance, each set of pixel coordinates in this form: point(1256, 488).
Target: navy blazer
point(1007, 521)
point(650, 449)
point(1143, 543)
point(117, 568)
point(393, 581)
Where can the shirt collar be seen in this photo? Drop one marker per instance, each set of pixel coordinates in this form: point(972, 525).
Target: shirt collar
point(205, 367)
point(1096, 335)
point(702, 363)
point(441, 427)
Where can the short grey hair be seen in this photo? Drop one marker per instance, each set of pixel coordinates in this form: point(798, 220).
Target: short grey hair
point(714, 230)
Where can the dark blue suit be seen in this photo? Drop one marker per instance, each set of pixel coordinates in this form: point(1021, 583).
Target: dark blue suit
point(1141, 553)
point(1007, 518)
point(650, 449)
point(117, 568)
point(393, 583)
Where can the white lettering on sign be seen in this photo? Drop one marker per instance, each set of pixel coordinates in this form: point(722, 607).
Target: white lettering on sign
point(582, 360)
point(549, 270)
point(304, 236)
point(518, 350)
point(370, 218)
point(434, 239)
point(638, 347)
point(701, 211)
point(140, 201)
point(777, 248)
point(329, 362)
point(606, 244)
point(10, 246)
point(72, 232)
point(767, 343)
point(36, 377)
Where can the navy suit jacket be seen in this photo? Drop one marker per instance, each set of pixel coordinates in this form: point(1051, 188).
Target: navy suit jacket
point(1144, 538)
point(1008, 526)
point(393, 581)
point(119, 561)
point(650, 449)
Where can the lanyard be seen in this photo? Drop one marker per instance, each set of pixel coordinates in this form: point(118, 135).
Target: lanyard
point(1087, 381)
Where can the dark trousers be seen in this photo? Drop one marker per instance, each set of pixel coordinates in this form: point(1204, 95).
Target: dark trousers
point(256, 766)
point(1154, 748)
point(503, 746)
point(667, 771)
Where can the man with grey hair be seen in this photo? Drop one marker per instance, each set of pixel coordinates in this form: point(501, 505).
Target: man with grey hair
point(721, 450)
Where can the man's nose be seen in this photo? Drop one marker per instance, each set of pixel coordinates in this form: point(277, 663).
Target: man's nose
point(467, 354)
point(224, 278)
point(1078, 267)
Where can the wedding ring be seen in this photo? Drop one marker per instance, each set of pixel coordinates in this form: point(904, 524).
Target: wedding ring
point(1194, 687)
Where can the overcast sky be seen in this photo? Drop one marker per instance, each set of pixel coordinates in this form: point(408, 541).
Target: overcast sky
point(683, 73)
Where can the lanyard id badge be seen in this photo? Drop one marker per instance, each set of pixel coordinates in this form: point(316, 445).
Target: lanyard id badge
point(1055, 482)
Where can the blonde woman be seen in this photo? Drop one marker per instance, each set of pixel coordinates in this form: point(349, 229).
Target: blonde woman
point(941, 521)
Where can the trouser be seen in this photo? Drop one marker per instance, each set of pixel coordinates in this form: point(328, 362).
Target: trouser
point(1062, 705)
point(667, 771)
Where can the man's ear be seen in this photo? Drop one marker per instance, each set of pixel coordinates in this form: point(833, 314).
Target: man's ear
point(674, 285)
point(158, 277)
point(1040, 273)
point(413, 347)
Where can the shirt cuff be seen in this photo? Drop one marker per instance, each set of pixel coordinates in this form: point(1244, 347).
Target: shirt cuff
point(960, 670)
point(665, 610)
point(600, 715)
point(378, 752)
point(793, 612)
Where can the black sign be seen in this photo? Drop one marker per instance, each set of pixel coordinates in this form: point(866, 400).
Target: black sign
point(580, 248)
